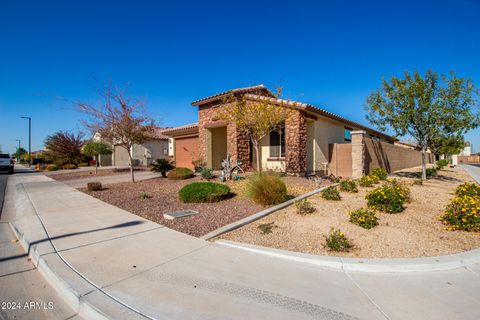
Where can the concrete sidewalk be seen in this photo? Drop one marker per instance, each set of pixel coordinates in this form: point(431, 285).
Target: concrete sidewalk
point(108, 262)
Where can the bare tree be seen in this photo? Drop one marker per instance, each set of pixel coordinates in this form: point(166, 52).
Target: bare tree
point(120, 120)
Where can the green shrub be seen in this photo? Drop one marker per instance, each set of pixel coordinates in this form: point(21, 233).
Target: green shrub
point(162, 166)
point(389, 198)
point(51, 167)
point(206, 173)
point(380, 173)
point(337, 241)
point(83, 164)
point(204, 192)
point(305, 207)
point(180, 174)
point(94, 186)
point(348, 185)
point(144, 195)
point(267, 228)
point(463, 213)
point(364, 218)
point(266, 189)
point(468, 189)
point(331, 193)
point(431, 172)
point(69, 166)
point(441, 164)
point(368, 181)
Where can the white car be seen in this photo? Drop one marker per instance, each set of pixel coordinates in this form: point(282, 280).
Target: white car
point(6, 163)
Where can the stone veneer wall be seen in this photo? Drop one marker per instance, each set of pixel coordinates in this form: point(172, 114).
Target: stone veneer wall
point(296, 143)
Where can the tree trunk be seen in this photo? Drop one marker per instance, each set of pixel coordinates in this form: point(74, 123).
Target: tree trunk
point(96, 164)
point(257, 157)
point(131, 165)
point(424, 164)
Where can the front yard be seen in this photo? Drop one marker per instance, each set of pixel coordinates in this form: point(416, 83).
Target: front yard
point(415, 232)
point(152, 198)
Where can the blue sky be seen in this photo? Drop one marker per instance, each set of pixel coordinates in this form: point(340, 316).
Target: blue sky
point(327, 53)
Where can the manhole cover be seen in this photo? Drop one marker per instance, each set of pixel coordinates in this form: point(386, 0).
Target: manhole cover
point(179, 214)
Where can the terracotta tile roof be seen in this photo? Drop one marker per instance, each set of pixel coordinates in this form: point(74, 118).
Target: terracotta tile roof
point(192, 127)
point(158, 134)
point(323, 112)
point(251, 89)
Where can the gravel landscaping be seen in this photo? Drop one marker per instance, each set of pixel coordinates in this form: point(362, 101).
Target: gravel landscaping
point(163, 197)
point(415, 232)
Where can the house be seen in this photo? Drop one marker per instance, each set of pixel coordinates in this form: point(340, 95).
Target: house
point(142, 154)
point(312, 140)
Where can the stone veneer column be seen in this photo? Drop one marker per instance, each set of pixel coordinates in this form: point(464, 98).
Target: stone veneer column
point(296, 143)
point(358, 154)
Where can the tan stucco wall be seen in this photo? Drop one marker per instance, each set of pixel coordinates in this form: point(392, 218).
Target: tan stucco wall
point(121, 157)
point(157, 149)
point(218, 151)
point(326, 132)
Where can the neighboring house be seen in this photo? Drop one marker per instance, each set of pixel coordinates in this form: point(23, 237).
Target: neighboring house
point(142, 154)
point(312, 140)
point(465, 156)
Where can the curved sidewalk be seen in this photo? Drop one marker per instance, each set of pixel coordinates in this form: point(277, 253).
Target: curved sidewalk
point(109, 263)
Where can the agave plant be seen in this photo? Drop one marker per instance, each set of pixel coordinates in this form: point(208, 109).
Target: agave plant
point(162, 166)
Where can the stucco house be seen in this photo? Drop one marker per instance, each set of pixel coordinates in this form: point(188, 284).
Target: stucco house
point(312, 140)
point(142, 154)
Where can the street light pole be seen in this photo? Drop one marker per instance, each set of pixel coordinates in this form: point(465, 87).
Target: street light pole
point(29, 140)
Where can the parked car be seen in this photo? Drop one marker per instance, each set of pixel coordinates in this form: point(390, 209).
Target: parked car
point(6, 163)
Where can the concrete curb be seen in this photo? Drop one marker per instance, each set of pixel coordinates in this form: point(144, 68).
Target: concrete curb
point(400, 265)
point(261, 214)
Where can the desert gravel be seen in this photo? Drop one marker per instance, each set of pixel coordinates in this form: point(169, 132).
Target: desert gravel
point(416, 232)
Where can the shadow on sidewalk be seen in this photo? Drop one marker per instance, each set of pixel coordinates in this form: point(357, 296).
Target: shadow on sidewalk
point(121, 225)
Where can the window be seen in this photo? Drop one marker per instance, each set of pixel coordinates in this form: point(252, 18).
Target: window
point(348, 134)
point(277, 143)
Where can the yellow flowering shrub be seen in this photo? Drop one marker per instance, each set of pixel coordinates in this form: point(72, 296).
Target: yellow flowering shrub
point(364, 218)
point(337, 241)
point(468, 189)
point(368, 181)
point(389, 197)
point(463, 213)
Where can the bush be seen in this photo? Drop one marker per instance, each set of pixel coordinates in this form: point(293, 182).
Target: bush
point(204, 192)
point(364, 218)
point(92, 162)
point(180, 174)
point(441, 164)
point(463, 213)
point(468, 189)
point(144, 195)
point(267, 228)
point(266, 189)
point(51, 167)
point(389, 198)
point(83, 164)
point(368, 181)
point(162, 166)
point(431, 172)
point(380, 173)
point(94, 186)
point(348, 185)
point(305, 207)
point(331, 193)
point(337, 241)
point(69, 166)
point(206, 173)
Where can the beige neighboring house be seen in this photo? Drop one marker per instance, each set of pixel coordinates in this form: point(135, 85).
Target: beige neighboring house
point(313, 140)
point(142, 154)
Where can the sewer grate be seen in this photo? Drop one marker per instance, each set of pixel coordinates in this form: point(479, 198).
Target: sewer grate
point(179, 214)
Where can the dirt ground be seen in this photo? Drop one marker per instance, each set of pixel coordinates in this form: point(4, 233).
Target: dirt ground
point(164, 198)
point(73, 174)
point(415, 232)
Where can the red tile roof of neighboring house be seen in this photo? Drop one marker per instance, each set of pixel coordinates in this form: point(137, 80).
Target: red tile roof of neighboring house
point(158, 133)
point(188, 128)
point(252, 89)
point(313, 109)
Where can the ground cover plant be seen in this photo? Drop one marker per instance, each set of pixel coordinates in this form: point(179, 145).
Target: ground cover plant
point(463, 212)
point(468, 189)
point(348, 185)
point(368, 181)
point(331, 193)
point(337, 241)
point(304, 207)
point(180, 174)
point(389, 197)
point(204, 192)
point(267, 228)
point(364, 218)
point(266, 189)
point(380, 173)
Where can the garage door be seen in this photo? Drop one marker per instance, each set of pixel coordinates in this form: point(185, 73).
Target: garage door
point(186, 151)
point(121, 157)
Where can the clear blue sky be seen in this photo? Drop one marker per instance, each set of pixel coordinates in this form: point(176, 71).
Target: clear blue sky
point(327, 53)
